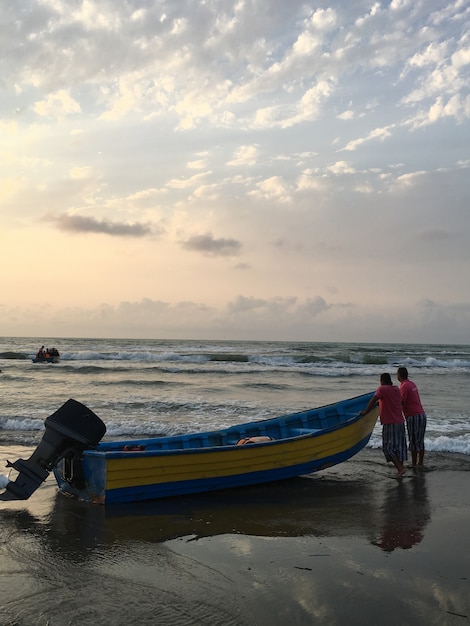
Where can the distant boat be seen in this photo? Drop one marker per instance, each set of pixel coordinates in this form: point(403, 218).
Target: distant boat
point(146, 469)
point(47, 356)
point(49, 359)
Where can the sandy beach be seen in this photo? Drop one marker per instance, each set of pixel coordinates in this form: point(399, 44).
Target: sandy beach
point(349, 545)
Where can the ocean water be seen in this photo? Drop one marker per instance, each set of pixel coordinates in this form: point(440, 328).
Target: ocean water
point(153, 387)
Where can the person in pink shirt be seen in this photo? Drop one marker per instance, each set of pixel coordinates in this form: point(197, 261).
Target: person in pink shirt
point(414, 414)
point(393, 423)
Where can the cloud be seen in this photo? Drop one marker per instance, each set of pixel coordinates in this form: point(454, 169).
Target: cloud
point(456, 107)
point(273, 188)
point(410, 179)
point(81, 224)
point(314, 306)
point(211, 246)
point(308, 107)
point(452, 316)
point(377, 133)
point(310, 181)
point(341, 167)
point(442, 85)
point(435, 235)
point(57, 105)
point(184, 183)
point(324, 19)
point(9, 127)
point(243, 266)
point(198, 164)
point(245, 155)
point(248, 317)
point(434, 54)
point(346, 115)
point(84, 173)
point(278, 308)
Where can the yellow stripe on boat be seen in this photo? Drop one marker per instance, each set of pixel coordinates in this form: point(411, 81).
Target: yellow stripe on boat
point(140, 470)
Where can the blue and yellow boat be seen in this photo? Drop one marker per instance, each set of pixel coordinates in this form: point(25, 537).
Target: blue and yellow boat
point(246, 454)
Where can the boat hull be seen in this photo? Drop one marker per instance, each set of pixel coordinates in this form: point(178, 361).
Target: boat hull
point(301, 443)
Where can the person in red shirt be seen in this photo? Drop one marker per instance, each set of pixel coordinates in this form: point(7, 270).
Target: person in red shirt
point(414, 414)
point(393, 423)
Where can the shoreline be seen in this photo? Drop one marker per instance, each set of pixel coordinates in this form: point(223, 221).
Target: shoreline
point(348, 545)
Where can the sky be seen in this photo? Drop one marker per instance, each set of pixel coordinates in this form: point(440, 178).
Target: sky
point(252, 169)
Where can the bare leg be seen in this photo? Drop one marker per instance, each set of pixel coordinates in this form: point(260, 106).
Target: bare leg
point(420, 457)
point(414, 457)
point(400, 468)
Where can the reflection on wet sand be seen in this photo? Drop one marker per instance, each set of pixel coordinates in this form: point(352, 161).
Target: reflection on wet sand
point(294, 508)
point(85, 564)
point(299, 507)
point(405, 513)
point(283, 553)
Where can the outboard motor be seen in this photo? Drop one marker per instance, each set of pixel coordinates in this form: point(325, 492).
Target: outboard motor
point(70, 430)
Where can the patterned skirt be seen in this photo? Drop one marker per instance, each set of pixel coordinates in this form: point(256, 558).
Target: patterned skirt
point(416, 426)
point(394, 442)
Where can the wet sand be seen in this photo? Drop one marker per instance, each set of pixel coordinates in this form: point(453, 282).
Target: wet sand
point(349, 545)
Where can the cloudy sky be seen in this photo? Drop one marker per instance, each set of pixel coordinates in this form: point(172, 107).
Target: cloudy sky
point(251, 169)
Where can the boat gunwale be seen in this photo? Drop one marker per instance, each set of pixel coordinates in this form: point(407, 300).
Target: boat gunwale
point(105, 452)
